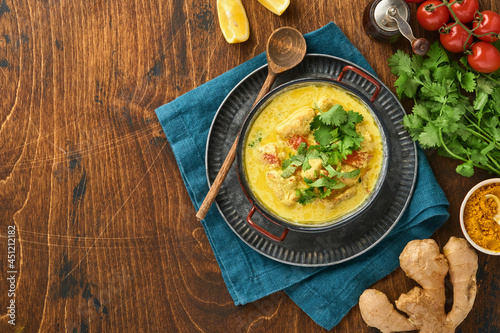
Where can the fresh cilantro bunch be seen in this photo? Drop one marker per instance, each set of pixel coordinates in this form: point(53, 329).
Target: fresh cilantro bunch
point(456, 110)
point(335, 133)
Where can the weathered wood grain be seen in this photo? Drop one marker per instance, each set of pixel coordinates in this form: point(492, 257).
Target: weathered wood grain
point(107, 235)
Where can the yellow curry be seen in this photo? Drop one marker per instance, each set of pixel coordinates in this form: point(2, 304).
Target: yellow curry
point(313, 154)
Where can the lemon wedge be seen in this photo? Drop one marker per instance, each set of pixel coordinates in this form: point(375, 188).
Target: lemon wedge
point(233, 20)
point(276, 6)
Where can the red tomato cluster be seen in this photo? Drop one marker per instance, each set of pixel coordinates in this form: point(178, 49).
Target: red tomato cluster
point(463, 28)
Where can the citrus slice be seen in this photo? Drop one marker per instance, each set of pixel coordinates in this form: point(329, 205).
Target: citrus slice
point(276, 6)
point(233, 20)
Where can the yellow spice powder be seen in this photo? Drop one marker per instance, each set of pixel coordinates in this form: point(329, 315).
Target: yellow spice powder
point(478, 218)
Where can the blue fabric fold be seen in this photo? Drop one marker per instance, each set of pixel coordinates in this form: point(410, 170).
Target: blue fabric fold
point(325, 294)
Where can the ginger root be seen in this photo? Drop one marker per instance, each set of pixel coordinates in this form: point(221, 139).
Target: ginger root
point(422, 261)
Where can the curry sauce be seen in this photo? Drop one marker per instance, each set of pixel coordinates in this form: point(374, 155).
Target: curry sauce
point(281, 129)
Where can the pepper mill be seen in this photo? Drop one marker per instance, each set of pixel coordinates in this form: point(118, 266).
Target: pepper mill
point(387, 20)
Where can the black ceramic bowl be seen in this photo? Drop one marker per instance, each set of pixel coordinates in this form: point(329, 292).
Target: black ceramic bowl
point(351, 216)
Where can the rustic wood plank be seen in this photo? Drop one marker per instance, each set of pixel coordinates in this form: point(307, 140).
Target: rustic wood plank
point(107, 235)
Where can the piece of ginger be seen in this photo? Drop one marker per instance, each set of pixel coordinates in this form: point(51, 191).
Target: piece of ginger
point(422, 261)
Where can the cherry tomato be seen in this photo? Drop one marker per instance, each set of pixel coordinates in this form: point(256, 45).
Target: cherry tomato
point(490, 23)
point(465, 9)
point(430, 17)
point(456, 40)
point(485, 58)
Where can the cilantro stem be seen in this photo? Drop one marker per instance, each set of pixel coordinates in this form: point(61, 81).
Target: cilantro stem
point(484, 134)
point(462, 126)
point(447, 149)
point(486, 138)
point(489, 77)
point(494, 161)
point(487, 167)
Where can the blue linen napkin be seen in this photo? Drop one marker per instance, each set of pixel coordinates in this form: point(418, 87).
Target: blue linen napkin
point(325, 294)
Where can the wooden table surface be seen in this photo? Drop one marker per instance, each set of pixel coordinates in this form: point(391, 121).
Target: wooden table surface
point(107, 239)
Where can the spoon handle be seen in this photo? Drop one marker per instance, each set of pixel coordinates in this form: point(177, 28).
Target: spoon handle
point(271, 76)
point(226, 166)
point(214, 189)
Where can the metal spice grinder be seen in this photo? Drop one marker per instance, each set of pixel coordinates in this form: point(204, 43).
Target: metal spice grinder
point(387, 20)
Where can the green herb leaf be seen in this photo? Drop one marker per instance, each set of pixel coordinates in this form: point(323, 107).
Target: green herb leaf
point(328, 183)
point(456, 109)
point(290, 165)
point(354, 117)
point(324, 193)
point(406, 86)
point(468, 81)
point(400, 63)
point(436, 57)
point(307, 196)
point(288, 171)
point(335, 116)
point(334, 173)
point(323, 135)
point(466, 169)
point(429, 138)
point(335, 132)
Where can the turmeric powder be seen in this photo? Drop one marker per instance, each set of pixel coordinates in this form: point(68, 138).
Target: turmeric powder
point(479, 214)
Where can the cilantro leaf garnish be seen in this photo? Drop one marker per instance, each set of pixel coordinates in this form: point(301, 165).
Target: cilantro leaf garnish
point(324, 135)
point(335, 132)
point(335, 116)
point(290, 165)
point(334, 173)
point(354, 117)
point(328, 183)
point(306, 196)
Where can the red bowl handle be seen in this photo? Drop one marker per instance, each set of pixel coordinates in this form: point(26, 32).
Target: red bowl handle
point(262, 230)
point(364, 75)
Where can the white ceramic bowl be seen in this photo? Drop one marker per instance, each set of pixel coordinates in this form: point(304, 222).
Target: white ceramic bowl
point(462, 208)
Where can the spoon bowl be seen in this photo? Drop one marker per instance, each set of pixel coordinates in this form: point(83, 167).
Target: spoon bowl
point(286, 47)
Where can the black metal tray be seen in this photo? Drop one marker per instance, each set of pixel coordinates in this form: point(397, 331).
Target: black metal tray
point(304, 248)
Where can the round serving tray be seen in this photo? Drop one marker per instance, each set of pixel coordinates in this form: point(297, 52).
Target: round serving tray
point(338, 244)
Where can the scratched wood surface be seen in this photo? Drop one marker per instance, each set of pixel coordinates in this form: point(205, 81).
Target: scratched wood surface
point(107, 239)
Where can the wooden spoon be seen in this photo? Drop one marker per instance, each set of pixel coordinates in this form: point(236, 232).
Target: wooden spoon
point(286, 47)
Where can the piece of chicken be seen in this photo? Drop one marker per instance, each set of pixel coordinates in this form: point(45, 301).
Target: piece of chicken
point(284, 188)
point(297, 124)
point(358, 159)
point(339, 196)
point(315, 171)
point(269, 155)
point(326, 104)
